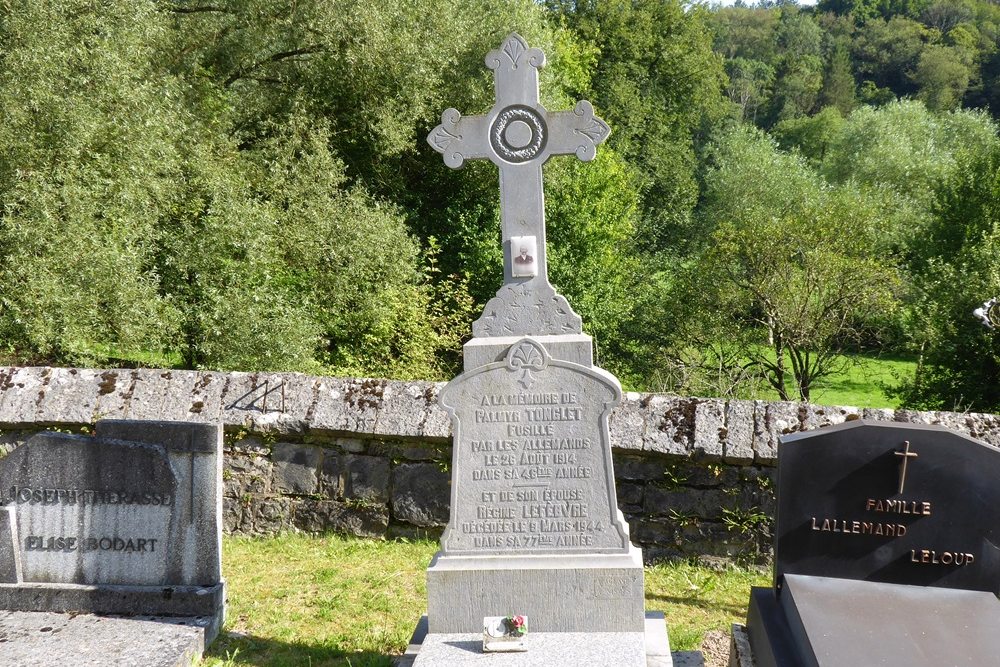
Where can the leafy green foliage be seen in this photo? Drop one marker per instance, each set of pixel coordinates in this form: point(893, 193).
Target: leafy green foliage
point(155, 208)
point(793, 267)
point(960, 359)
point(657, 83)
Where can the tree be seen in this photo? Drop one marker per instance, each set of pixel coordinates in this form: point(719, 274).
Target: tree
point(812, 136)
point(943, 74)
point(793, 274)
point(959, 362)
point(90, 159)
point(838, 80)
point(799, 73)
point(887, 52)
point(905, 151)
point(157, 207)
point(658, 84)
point(749, 86)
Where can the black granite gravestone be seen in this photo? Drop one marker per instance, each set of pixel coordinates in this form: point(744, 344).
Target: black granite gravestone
point(887, 550)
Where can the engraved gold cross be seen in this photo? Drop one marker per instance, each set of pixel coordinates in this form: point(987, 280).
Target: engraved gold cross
point(518, 135)
point(906, 454)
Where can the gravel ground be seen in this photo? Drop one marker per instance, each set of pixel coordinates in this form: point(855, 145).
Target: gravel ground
point(715, 647)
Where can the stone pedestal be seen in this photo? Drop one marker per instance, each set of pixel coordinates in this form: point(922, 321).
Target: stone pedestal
point(649, 647)
point(535, 527)
point(568, 593)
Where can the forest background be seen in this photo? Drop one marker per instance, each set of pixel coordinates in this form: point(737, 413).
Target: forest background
point(244, 184)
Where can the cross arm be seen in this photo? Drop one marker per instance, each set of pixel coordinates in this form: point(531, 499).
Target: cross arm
point(460, 138)
point(576, 132)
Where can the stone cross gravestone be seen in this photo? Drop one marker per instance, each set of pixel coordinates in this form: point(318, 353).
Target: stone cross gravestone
point(127, 522)
point(882, 523)
point(534, 527)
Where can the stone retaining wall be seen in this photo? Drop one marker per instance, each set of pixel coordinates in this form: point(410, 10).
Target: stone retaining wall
point(370, 457)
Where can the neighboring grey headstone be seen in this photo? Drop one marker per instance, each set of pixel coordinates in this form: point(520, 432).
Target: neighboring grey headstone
point(882, 521)
point(127, 522)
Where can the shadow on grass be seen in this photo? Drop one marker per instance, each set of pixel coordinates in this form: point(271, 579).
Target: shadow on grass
point(264, 652)
point(710, 605)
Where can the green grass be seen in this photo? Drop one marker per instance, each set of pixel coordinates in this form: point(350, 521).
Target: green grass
point(858, 382)
point(339, 602)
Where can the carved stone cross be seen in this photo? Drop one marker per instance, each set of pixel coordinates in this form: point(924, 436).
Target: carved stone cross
point(518, 135)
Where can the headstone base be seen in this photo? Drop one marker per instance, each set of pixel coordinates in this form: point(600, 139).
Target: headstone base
point(559, 593)
point(740, 654)
point(42, 639)
point(202, 606)
point(647, 648)
point(577, 348)
point(828, 622)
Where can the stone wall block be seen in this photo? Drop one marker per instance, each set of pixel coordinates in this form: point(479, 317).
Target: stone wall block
point(670, 425)
point(739, 432)
point(878, 414)
point(710, 428)
point(296, 468)
point(331, 475)
point(913, 417)
point(437, 423)
point(154, 393)
point(421, 494)
point(71, 396)
point(346, 406)
point(243, 474)
point(366, 478)
point(711, 475)
point(688, 503)
point(406, 409)
point(279, 402)
point(269, 515)
point(206, 397)
point(629, 497)
point(232, 515)
point(352, 445)
point(248, 446)
point(663, 532)
point(423, 453)
point(984, 427)
point(362, 519)
point(145, 390)
point(627, 422)
point(953, 420)
point(21, 389)
point(116, 390)
point(177, 401)
point(780, 419)
point(818, 416)
point(631, 467)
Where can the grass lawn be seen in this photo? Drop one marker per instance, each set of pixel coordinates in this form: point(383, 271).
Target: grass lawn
point(332, 601)
point(858, 382)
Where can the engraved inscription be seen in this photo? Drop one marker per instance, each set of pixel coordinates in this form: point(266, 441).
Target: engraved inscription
point(70, 544)
point(930, 557)
point(897, 506)
point(531, 465)
point(48, 496)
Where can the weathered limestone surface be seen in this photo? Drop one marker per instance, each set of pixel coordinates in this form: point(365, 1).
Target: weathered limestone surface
point(370, 457)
